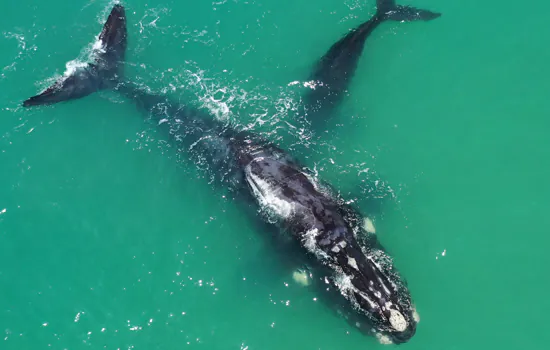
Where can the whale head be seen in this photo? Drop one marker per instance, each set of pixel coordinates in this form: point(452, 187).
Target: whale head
point(366, 277)
point(376, 291)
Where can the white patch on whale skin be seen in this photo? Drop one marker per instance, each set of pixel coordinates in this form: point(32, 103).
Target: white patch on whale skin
point(339, 246)
point(416, 315)
point(369, 225)
point(353, 263)
point(364, 296)
point(301, 277)
point(397, 321)
point(383, 339)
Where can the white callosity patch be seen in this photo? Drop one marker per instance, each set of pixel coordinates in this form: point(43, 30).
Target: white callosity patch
point(369, 225)
point(397, 321)
point(339, 246)
point(353, 263)
point(364, 296)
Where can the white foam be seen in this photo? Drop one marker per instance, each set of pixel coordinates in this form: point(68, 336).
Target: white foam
point(72, 66)
point(343, 282)
point(310, 240)
point(98, 46)
point(398, 321)
point(313, 84)
point(219, 108)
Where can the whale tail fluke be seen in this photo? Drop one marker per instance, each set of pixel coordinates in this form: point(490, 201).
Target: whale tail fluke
point(103, 72)
point(389, 10)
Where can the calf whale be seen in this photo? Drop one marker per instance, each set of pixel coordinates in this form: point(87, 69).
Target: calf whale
point(327, 230)
point(334, 71)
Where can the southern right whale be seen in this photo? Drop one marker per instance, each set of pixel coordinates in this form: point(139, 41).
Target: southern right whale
point(327, 230)
point(334, 71)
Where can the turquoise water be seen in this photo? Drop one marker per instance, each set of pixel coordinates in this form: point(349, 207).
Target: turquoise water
point(109, 240)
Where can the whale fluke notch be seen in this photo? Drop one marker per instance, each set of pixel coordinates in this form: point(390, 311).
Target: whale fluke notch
point(104, 72)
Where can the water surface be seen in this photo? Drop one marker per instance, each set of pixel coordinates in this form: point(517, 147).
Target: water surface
point(109, 239)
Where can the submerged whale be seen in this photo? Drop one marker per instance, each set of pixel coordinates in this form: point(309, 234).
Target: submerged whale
point(326, 230)
point(334, 71)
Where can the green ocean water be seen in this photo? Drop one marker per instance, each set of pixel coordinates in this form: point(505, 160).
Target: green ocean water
point(111, 240)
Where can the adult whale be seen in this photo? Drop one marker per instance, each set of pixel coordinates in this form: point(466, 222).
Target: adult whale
point(334, 71)
point(326, 229)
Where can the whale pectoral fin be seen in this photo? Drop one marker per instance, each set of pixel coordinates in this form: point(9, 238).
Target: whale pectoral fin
point(104, 72)
point(302, 277)
point(368, 225)
point(408, 14)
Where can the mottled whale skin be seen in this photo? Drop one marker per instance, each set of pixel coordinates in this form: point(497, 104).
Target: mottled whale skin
point(334, 71)
point(326, 230)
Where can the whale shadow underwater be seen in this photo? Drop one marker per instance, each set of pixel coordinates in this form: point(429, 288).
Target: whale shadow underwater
point(346, 259)
point(334, 71)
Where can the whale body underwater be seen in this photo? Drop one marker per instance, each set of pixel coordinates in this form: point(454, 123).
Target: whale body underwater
point(324, 227)
point(334, 71)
